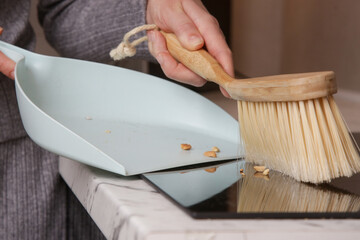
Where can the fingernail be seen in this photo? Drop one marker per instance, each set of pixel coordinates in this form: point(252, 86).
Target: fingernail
point(12, 75)
point(196, 41)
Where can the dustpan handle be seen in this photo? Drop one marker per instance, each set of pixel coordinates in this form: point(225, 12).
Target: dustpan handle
point(13, 52)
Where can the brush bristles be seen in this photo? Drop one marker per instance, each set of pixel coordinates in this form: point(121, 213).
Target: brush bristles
point(307, 140)
point(284, 194)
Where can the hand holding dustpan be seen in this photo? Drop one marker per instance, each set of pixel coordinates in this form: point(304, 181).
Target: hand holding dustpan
point(7, 66)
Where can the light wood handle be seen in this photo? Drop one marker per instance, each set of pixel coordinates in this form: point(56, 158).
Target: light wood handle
point(287, 87)
point(199, 61)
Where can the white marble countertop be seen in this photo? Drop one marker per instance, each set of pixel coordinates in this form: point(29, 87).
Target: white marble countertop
point(129, 208)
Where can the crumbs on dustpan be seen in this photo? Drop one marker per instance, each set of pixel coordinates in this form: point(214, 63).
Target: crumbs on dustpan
point(215, 149)
point(211, 170)
point(210, 154)
point(107, 131)
point(185, 146)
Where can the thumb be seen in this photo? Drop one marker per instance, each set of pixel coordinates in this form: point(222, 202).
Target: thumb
point(185, 29)
point(7, 66)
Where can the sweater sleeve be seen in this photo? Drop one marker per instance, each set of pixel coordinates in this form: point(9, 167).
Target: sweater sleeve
point(88, 29)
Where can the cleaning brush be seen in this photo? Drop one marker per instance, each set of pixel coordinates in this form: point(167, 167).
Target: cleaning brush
point(289, 123)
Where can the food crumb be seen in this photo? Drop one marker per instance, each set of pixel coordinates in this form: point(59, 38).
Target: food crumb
point(185, 146)
point(241, 170)
point(88, 118)
point(243, 174)
point(266, 172)
point(259, 168)
point(215, 149)
point(262, 176)
point(211, 170)
point(210, 154)
point(108, 131)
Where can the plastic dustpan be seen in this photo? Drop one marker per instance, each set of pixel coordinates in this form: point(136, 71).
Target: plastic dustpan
point(116, 119)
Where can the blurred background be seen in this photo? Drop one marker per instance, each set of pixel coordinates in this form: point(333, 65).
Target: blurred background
point(279, 36)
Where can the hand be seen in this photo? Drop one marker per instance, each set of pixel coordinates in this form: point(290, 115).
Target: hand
point(7, 66)
point(194, 27)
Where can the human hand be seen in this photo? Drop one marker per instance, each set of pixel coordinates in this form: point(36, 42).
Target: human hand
point(7, 66)
point(194, 27)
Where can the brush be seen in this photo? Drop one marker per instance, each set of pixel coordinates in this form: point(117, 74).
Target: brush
point(289, 123)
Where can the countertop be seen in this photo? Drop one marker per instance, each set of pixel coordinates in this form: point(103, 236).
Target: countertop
point(129, 208)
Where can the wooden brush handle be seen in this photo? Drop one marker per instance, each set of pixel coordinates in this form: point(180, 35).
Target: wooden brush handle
point(287, 87)
point(199, 61)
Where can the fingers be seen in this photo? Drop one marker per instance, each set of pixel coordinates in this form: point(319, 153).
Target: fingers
point(184, 29)
point(194, 27)
point(209, 28)
point(171, 68)
point(170, 17)
point(224, 92)
point(7, 66)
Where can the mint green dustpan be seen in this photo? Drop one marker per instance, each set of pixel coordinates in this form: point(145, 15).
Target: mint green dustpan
point(116, 119)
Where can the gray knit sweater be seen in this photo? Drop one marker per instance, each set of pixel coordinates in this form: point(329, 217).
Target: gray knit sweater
point(34, 201)
point(83, 29)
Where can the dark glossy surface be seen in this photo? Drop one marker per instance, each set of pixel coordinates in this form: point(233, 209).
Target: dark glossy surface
point(220, 191)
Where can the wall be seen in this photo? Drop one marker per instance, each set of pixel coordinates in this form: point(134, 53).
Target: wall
point(287, 36)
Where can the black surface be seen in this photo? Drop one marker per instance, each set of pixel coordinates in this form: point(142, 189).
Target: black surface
point(288, 194)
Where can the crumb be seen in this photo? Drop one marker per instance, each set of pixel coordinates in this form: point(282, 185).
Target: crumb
point(259, 168)
point(262, 176)
point(211, 170)
point(215, 149)
point(266, 172)
point(185, 146)
point(210, 154)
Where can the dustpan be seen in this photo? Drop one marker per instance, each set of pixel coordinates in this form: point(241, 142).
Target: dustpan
point(116, 119)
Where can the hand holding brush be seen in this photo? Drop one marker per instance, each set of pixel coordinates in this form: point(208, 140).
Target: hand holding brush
point(289, 123)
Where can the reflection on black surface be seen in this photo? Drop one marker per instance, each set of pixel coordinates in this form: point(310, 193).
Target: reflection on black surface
point(225, 193)
point(280, 193)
